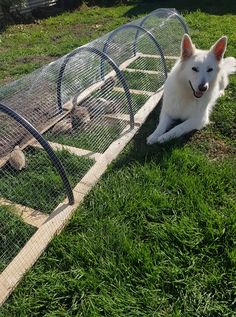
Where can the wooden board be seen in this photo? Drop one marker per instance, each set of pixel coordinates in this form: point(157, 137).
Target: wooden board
point(118, 116)
point(71, 149)
point(29, 254)
point(143, 71)
point(149, 106)
point(31, 216)
point(134, 91)
point(158, 56)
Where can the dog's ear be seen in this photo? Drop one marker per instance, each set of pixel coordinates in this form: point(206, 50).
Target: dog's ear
point(187, 47)
point(219, 48)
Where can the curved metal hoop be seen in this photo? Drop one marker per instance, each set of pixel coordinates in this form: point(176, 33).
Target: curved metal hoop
point(139, 29)
point(53, 157)
point(103, 56)
point(174, 14)
point(155, 13)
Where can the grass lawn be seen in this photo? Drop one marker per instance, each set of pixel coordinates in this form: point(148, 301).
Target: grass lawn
point(13, 235)
point(137, 100)
point(98, 138)
point(147, 82)
point(157, 235)
point(39, 175)
point(150, 63)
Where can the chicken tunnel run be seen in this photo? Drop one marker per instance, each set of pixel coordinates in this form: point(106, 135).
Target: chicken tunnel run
point(62, 125)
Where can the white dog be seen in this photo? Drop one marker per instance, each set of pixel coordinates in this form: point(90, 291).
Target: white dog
point(192, 88)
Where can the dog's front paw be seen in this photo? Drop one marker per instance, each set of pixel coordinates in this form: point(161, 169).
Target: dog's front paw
point(163, 138)
point(151, 139)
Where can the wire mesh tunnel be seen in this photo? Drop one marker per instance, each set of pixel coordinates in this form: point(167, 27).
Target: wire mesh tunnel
point(161, 24)
point(64, 116)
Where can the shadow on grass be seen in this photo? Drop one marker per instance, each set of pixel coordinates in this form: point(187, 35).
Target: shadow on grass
point(139, 8)
point(38, 13)
point(220, 7)
point(139, 151)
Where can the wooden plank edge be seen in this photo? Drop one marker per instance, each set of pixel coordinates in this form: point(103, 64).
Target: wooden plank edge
point(31, 216)
point(143, 71)
point(71, 149)
point(119, 116)
point(135, 91)
point(141, 116)
point(28, 255)
point(159, 56)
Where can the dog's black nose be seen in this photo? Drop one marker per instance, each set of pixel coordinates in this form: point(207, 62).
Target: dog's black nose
point(202, 87)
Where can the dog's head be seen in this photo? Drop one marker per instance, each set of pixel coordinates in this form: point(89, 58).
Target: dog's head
point(200, 68)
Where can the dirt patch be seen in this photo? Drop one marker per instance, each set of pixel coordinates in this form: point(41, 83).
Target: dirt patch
point(3, 49)
point(79, 30)
point(56, 38)
point(215, 148)
point(6, 80)
point(35, 59)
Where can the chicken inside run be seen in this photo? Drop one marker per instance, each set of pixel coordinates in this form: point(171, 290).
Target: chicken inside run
point(63, 120)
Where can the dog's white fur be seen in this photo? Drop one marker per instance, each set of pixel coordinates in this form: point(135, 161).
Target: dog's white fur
point(183, 99)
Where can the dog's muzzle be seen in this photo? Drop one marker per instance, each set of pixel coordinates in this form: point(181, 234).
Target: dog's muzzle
point(200, 92)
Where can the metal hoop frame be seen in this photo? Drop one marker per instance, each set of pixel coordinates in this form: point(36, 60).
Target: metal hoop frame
point(139, 29)
point(174, 14)
point(53, 157)
point(103, 57)
point(155, 13)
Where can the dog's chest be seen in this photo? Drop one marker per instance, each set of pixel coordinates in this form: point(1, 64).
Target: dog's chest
point(180, 106)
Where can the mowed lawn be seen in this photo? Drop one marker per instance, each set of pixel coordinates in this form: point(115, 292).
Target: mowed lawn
point(157, 235)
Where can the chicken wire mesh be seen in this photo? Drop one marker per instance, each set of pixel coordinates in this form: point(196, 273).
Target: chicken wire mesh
point(77, 106)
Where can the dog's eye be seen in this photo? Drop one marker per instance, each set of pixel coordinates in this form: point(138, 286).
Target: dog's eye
point(210, 70)
point(195, 69)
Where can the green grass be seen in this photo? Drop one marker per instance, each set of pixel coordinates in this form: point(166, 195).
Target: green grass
point(157, 235)
point(14, 233)
point(151, 63)
point(96, 139)
point(39, 185)
point(27, 47)
point(137, 100)
point(155, 242)
point(99, 136)
point(141, 81)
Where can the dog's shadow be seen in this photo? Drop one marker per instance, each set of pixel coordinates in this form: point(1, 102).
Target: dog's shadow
point(138, 151)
